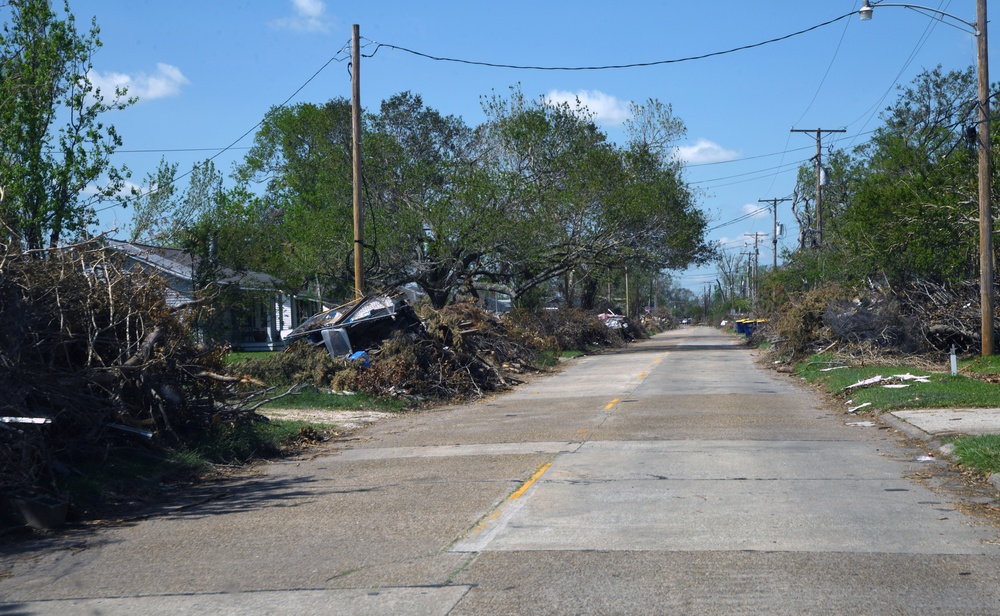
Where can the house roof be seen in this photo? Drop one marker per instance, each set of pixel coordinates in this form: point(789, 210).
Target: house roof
point(183, 264)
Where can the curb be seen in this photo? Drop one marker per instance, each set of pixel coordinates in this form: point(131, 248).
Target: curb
point(909, 429)
point(914, 432)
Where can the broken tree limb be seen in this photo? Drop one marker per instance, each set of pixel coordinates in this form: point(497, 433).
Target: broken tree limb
point(222, 378)
point(145, 349)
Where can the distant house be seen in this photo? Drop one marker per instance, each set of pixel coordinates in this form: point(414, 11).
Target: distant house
point(256, 324)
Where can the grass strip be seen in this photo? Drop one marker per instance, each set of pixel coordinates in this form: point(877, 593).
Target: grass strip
point(942, 391)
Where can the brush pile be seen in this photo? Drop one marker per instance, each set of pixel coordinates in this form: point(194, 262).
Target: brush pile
point(460, 352)
point(93, 359)
point(918, 318)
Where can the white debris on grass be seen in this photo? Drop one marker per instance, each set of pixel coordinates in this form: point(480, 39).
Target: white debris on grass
point(896, 377)
point(871, 381)
point(858, 407)
point(912, 377)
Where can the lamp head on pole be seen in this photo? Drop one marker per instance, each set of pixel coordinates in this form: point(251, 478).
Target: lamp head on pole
point(866, 11)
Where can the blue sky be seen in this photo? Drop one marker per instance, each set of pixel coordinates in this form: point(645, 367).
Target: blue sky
point(206, 72)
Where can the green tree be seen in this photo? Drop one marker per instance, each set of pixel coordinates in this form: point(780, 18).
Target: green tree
point(153, 206)
point(54, 144)
point(912, 210)
point(533, 194)
point(295, 197)
point(580, 204)
point(432, 222)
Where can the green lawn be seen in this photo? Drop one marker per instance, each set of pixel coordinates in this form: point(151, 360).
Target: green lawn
point(978, 453)
point(943, 390)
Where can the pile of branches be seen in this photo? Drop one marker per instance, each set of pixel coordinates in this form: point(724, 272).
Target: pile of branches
point(917, 318)
point(567, 328)
point(945, 314)
point(92, 359)
point(461, 352)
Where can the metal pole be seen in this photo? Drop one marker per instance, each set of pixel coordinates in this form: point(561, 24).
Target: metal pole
point(985, 196)
point(359, 230)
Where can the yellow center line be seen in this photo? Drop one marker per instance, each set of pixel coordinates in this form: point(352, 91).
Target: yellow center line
point(642, 375)
point(527, 484)
point(611, 404)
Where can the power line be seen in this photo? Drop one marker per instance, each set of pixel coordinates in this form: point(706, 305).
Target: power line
point(745, 158)
point(252, 129)
point(751, 214)
point(785, 166)
point(168, 150)
point(609, 66)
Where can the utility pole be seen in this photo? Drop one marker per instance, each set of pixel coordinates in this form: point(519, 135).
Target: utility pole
point(774, 238)
point(819, 175)
point(753, 267)
point(359, 230)
point(985, 177)
point(628, 308)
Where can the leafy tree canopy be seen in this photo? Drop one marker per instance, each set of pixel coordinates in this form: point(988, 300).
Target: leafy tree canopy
point(54, 145)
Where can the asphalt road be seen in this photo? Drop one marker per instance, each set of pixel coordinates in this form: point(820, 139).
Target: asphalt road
point(674, 476)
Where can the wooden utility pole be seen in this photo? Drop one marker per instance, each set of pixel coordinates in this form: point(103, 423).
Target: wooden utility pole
point(774, 238)
point(819, 175)
point(359, 221)
point(754, 270)
point(985, 195)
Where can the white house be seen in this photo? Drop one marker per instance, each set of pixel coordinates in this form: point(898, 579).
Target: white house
point(267, 316)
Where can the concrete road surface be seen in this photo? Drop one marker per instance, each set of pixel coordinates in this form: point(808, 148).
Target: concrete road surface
point(674, 476)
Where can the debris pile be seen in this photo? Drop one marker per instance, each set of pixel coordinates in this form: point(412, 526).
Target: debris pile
point(97, 357)
point(460, 351)
point(918, 318)
point(945, 314)
point(569, 328)
point(94, 361)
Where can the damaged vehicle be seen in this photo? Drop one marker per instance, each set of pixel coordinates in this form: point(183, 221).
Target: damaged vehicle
point(357, 326)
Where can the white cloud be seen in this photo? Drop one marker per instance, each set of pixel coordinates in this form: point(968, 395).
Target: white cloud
point(705, 151)
point(307, 16)
point(607, 109)
point(756, 210)
point(165, 82)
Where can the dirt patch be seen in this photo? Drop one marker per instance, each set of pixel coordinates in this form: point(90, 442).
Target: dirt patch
point(345, 420)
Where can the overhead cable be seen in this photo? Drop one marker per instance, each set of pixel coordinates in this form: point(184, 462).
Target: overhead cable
point(608, 66)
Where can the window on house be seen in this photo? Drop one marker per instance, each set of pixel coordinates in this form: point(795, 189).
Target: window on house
point(257, 317)
point(303, 309)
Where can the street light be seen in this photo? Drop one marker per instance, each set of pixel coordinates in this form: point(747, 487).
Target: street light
point(985, 198)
